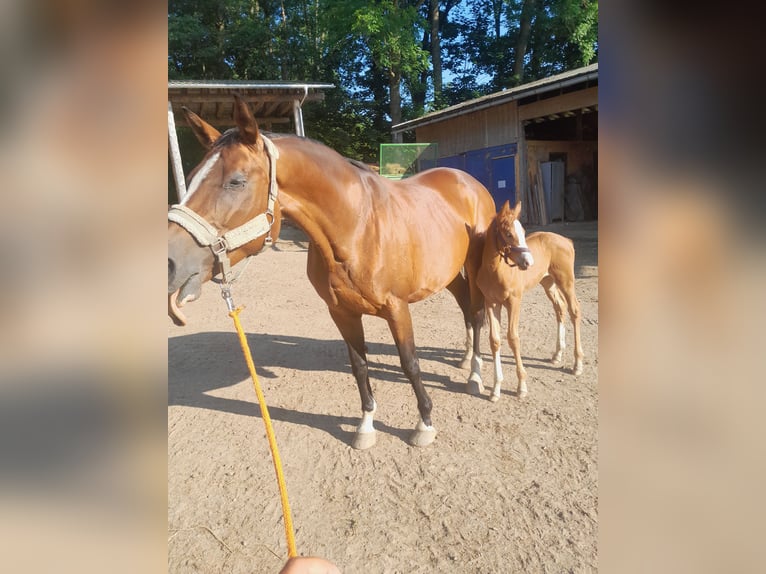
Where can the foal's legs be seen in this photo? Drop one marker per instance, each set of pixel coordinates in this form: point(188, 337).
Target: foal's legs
point(494, 316)
point(472, 264)
point(513, 304)
point(352, 330)
point(558, 306)
point(400, 323)
point(567, 288)
point(459, 288)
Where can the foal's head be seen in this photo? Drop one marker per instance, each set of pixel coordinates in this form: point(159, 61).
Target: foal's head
point(511, 238)
point(228, 188)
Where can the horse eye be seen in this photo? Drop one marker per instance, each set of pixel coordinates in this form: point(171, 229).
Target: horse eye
point(236, 183)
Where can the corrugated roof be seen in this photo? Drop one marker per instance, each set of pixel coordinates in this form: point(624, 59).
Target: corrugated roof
point(537, 87)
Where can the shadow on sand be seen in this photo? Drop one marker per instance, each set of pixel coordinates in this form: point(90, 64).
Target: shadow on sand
point(192, 376)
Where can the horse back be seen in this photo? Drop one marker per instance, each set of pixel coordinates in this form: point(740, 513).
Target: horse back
point(555, 250)
point(461, 191)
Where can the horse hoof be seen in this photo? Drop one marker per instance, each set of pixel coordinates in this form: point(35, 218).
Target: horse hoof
point(422, 437)
point(522, 393)
point(556, 359)
point(475, 387)
point(475, 384)
point(494, 398)
point(364, 440)
point(577, 370)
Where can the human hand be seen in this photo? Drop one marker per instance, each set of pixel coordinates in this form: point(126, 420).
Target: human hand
point(309, 565)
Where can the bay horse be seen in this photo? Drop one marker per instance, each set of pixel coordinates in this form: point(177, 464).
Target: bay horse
point(375, 245)
point(513, 263)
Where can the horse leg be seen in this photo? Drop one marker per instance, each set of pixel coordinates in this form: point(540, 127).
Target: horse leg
point(459, 288)
point(567, 287)
point(513, 304)
point(400, 323)
point(472, 264)
point(493, 314)
point(352, 330)
point(558, 307)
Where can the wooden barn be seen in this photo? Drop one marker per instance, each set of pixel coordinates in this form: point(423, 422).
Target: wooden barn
point(537, 142)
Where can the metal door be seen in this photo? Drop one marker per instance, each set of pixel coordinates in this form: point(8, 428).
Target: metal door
point(503, 184)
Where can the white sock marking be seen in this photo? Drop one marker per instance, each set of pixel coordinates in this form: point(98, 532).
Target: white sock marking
point(366, 426)
point(423, 426)
point(562, 337)
point(498, 369)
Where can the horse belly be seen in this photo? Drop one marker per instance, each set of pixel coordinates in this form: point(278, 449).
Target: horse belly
point(335, 286)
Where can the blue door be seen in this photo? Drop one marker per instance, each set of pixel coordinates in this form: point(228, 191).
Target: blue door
point(503, 184)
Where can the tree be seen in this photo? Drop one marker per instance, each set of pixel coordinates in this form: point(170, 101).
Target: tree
point(391, 59)
point(386, 30)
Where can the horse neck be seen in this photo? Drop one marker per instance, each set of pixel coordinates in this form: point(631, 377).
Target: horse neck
point(318, 189)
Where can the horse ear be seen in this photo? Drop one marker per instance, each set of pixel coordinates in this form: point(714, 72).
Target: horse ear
point(206, 134)
point(243, 117)
point(506, 208)
point(517, 209)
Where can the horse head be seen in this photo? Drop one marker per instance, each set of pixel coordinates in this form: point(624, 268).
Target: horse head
point(511, 237)
point(229, 211)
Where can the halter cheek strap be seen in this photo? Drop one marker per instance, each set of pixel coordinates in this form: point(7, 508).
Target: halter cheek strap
point(221, 244)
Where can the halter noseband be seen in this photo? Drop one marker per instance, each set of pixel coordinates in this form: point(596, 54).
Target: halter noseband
point(505, 250)
point(220, 244)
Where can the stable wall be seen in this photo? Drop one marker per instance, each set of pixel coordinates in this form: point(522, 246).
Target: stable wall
point(476, 130)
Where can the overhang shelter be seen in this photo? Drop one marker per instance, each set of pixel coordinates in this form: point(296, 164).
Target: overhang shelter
point(277, 106)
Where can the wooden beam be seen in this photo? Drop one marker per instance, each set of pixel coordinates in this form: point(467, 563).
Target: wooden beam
point(270, 108)
point(559, 104)
point(229, 122)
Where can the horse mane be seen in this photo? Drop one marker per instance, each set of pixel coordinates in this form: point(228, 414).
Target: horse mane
point(231, 136)
point(359, 165)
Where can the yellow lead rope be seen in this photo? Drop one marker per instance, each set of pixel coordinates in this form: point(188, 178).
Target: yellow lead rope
point(291, 551)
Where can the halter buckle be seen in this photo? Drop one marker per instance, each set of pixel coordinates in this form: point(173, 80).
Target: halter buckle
point(219, 246)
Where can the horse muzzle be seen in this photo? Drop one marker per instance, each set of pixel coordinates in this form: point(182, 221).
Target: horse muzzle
point(189, 291)
point(526, 260)
point(189, 266)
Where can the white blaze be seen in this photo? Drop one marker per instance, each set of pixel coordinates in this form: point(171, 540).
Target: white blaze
point(200, 176)
point(523, 242)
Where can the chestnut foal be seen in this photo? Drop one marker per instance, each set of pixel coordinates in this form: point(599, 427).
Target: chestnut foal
point(511, 265)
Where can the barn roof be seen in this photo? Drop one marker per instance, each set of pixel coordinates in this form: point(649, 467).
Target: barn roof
point(271, 102)
point(559, 81)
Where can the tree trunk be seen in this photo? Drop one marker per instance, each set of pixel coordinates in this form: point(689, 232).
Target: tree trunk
point(497, 12)
point(525, 27)
point(395, 98)
point(418, 87)
point(436, 48)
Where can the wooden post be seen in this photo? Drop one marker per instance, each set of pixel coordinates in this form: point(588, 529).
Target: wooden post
point(522, 179)
point(175, 155)
point(298, 117)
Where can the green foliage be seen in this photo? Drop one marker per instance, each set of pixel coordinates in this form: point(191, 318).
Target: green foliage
point(389, 30)
point(366, 47)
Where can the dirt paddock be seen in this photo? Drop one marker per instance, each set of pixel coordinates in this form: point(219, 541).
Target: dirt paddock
point(506, 487)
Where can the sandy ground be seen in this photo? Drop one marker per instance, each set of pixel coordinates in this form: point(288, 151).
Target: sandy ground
point(506, 487)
